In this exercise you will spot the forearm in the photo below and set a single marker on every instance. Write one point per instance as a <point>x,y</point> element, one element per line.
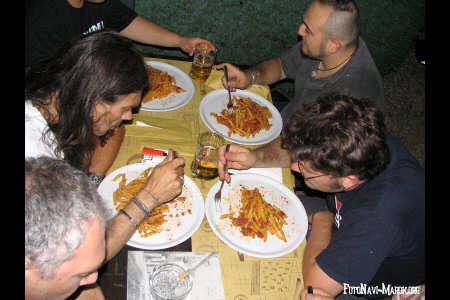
<point>319,239</point>
<point>266,72</point>
<point>104,156</point>
<point>148,32</point>
<point>272,155</point>
<point>121,228</point>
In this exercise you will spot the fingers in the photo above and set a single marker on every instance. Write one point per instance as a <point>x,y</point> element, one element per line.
<point>236,77</point>
<point>237,157</point>
<point>188,44</point>
<point>167,179</point>
<point>318,294</point>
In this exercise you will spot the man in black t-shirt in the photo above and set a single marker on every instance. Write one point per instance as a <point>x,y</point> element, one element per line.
<point>51,24</point>
<point>371,239</point>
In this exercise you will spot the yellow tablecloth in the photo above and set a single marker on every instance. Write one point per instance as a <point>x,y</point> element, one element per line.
<point>250,278</point>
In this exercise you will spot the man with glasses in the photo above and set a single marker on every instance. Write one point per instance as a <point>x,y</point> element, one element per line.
<point>370,228</point>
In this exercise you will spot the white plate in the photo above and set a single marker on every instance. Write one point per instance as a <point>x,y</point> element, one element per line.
<point>172,101</point>
<point>178,228</point>
<point>274,193</point>
<point>217,100</point>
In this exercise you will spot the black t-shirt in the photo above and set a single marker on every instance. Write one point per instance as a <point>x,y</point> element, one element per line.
<point>51,24</point>
<point>379,235</point>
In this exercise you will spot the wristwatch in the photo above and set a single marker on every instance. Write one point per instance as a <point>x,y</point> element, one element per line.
<point>95,178</point>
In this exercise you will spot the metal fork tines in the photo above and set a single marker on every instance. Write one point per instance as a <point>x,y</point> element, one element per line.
<point>218,195</point>
<point>230,102</point>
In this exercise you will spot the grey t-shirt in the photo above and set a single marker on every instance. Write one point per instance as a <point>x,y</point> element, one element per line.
<point>358,78</point>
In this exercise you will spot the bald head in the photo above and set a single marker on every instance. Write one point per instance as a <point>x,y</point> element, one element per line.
<point>343,23</point>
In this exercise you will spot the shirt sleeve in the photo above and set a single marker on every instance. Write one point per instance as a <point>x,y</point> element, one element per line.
<point>118,16</point>
<point>291,61</point>
<point>34,145</point>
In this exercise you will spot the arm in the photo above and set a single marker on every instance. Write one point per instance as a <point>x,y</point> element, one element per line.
<point>164,184</point>
<point>104,156</point>
<point>240,158</point>
<point>148,32</point>
<point>266,72</point>
<point>320,236</point>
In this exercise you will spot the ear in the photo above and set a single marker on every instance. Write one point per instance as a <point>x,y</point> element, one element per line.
<point>334,45</point>
<point>350,181</point>
<point>28,263</point>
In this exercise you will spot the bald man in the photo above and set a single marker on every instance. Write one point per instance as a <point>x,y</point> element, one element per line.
<point>331,57</point>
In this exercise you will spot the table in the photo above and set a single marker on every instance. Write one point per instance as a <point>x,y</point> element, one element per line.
<point>244,277</point>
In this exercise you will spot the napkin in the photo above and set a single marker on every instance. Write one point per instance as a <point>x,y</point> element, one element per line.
<point>214,82</point>
<point>274,173</point>
<point>207,277</point>
<point>140,123</point>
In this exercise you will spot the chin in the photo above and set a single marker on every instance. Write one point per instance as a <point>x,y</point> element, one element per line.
<point>304,49</point>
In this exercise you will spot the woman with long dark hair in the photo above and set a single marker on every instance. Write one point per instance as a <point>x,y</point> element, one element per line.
<point>74,108</point>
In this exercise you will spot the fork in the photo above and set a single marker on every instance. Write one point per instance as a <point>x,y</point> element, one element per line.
<point>230,103</point>
<point>218,196</point>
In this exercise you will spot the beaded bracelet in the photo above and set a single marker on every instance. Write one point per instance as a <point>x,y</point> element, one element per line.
<point>129,218</point>
<point>142,206</point>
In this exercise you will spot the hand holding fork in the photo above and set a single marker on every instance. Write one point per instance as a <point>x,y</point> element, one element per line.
<point>218,196</point>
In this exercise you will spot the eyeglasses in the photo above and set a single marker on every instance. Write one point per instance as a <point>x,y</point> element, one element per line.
<point>300,168</point>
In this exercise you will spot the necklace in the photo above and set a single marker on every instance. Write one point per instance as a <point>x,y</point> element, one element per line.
<point>314,72</point>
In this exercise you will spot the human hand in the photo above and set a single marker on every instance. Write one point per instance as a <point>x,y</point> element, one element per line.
<point>237,157</point>
<point>318,294</point>
<point>237,79</point>
<point>166,180</point>
<point>188,44</point>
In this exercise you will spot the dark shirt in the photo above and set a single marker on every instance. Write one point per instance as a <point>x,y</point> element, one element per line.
<point>359,78</point>
<point>51,24</point>
<point>379,235</point>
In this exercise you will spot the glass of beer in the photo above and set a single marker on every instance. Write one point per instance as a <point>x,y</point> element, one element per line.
<point>202,63</point>
<point>205,161</point>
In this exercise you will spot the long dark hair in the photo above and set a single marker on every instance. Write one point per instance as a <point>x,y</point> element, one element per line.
<point>339,135</point>
<point>99,66</point>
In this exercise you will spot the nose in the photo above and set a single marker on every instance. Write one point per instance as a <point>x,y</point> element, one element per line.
<point>128,115</point>
<point>295,167</point>
<point>91,278</point>
<point>301,30</point>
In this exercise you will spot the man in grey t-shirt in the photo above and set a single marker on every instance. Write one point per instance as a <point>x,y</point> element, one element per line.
<point>359,78</point>
<point>330,57</point>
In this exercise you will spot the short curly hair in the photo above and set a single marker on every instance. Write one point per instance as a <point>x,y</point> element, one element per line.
<point>339,135</point>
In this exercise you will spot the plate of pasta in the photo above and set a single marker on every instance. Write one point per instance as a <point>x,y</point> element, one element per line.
<point>254,120</point>
<point>258,216</point>
<point>170,223</point>
<point>170,88</point>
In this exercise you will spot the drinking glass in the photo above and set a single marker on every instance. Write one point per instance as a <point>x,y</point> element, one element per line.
<point>204,165</point>
<point>202,63</point>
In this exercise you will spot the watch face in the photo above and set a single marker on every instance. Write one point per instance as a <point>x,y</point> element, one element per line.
<point>94,178</point>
